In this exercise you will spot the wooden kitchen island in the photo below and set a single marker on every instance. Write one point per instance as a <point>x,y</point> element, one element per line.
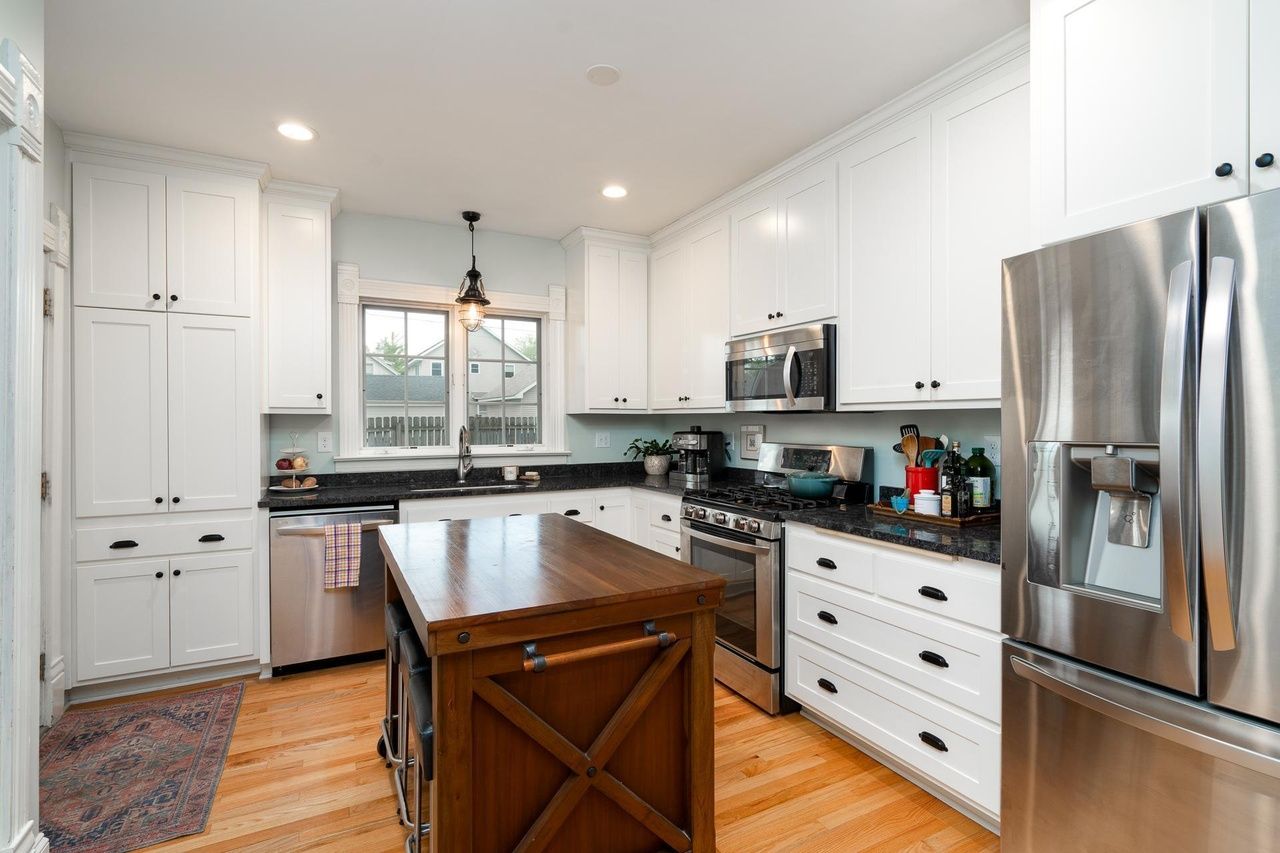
<point>572,685</point>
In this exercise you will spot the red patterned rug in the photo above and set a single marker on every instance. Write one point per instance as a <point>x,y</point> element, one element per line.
<point>127,776</point>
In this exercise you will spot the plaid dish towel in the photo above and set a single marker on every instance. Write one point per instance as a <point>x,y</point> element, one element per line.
<point>341,555</point>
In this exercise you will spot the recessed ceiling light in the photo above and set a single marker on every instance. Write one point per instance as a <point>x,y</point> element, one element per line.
<point>614,191</point>
<point>296,131</point>
<point>603,75</point>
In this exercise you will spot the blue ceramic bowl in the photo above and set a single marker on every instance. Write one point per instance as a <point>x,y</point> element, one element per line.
<point>811,484</point>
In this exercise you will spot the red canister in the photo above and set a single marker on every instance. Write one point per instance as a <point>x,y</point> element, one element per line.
<point>919,479</point>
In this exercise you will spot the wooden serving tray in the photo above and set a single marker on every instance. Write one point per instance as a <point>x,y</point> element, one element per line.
<point>991,516</point>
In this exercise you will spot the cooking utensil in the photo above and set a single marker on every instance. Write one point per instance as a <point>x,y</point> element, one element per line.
<point>811,484</point>
<point>929,458</point>
<point>897,448</point>
<point>911,447</point>
<point>909,429</point>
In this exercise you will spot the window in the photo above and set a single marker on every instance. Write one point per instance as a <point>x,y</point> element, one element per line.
<point>504,391</point>
<point>406,391</point>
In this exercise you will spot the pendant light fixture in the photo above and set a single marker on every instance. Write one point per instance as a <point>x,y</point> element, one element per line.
<point>471,294</point>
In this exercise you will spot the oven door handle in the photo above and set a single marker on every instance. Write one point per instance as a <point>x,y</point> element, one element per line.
<point>723,541</point>
<point>787,365</point>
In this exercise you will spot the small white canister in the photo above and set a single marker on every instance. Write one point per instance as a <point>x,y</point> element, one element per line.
<point>928,502</point>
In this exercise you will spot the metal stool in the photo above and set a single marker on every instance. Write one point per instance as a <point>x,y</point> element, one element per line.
<point>414,663</point>
<point>389,745</point>
<point>418,757</point>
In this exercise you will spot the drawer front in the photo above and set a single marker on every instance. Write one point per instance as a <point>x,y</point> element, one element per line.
<point>664,512</point>
<point>832,558</point>
<point>135,541</point>
<point>953,663</point>
<point>665,542</point>
<point>955,590</point>
<point>960,753</point>
<point>580,506</point>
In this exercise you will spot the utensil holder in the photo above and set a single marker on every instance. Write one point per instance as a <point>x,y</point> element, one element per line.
<point>920,478</point>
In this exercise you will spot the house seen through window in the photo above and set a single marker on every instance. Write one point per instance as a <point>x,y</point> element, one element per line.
<point>406,383</point>
<point>503,394</point>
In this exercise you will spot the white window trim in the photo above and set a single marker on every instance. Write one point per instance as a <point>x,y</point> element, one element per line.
<point>352,290</point>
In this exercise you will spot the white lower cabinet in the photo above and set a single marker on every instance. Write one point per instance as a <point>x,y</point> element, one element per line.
<point>210,607</point>
<point>122,618</point>
<point>613,512</point>
<point>665,542</point>
<point>903,653</point>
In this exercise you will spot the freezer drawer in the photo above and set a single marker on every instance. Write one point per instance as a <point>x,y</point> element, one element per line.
<point>1095,762</point>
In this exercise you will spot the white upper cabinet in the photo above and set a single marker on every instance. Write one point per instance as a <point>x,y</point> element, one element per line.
<point>1143,108</point>
<point>118,239</point>
<point>607,316</point>
<point>211,413</point>
<point>298,296</point>
<point>783,247</point>
<point>212,237</point>
<point>884,266</point>
<point>981,214</point>
<point>689,286</point>
<point>1264,82</point>
<point>121,382</point>
<point>163,242</point>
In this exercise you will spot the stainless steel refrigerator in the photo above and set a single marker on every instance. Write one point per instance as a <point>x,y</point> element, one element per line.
<point>1141,537</point>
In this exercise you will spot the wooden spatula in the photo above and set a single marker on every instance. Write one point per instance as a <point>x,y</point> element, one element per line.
<point>911,447</point>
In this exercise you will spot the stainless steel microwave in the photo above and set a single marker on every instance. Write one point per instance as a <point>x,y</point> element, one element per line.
<point>789,371</point>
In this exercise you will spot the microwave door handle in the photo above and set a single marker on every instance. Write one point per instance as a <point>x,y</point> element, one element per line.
<point>1176,429</point>
<point>787,365</point>
<point>1214,365</point>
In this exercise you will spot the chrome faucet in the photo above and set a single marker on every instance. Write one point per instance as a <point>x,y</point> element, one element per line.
<point>464,454</point>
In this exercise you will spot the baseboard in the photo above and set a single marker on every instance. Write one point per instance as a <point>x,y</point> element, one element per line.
<point>28,840</point>
<point>975,813</point>
<point>160,681</point>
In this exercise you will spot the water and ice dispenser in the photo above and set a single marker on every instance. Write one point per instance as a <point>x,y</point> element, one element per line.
<point>1093,520</point>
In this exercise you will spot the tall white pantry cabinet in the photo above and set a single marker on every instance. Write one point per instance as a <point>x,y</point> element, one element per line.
<point>166,408</point>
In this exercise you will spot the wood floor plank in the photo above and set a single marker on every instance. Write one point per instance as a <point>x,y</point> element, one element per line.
<point>302,774</point>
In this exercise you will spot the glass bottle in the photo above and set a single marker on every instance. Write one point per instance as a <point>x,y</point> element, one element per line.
<point>982,478</point>
<point>952,481</point>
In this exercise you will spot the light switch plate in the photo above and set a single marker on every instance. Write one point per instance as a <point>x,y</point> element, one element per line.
<point>324,442</point>
<point>602,439</point>
<point>993,448</point>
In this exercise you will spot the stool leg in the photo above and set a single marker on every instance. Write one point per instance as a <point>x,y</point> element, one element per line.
<point>390,723</point>
<point>420,828</point>
<point>407,762</point>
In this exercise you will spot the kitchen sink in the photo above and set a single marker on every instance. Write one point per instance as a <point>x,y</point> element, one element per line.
<point>492,487</point>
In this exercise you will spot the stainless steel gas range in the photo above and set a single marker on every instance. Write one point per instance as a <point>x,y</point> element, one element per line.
<point>736,531</point>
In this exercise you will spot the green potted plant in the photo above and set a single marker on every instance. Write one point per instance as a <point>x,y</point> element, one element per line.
<point>657,455</point>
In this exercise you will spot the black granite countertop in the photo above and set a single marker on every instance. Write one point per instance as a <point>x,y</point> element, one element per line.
<point>975,543</point>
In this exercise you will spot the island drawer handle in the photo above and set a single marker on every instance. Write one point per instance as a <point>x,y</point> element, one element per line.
<point>534,662</point>
<point>123,543</point>
<point>826,563</point>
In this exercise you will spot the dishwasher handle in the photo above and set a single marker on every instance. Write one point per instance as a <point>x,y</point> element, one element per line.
<point>311,530</point>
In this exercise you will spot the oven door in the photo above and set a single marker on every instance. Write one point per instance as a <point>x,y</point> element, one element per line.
<point>747,622</point>
<point>789,371</point>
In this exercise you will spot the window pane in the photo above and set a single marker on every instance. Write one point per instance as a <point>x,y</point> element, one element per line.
<point>426,334</point>
<point>405,395</point>
<point>383,330</point>
<point>521,337</point>
<point>485,342</point>
<point>523,406</point>
<point>384,394</point>
<point>503,390</point>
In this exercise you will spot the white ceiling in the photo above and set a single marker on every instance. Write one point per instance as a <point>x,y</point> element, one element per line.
<point>427,107</point>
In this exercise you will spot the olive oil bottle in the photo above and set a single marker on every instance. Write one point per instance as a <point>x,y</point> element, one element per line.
<point>982,478</point>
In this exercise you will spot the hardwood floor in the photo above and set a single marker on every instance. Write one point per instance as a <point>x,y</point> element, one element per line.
<point>302,774</point>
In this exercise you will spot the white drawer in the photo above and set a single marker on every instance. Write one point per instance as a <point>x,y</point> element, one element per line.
<point>956,589</point>
<point>965,752</point>
<point>939,657</point>
<point>170,537</point>
<point>580,506</point>
<point>833,558</point>
<point>665,542</point>
<point>664,512</point>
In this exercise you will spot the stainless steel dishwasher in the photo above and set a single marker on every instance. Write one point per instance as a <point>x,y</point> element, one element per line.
<point>311,623</point>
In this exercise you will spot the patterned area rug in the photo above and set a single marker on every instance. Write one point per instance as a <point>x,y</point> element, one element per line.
<point>127,776</point>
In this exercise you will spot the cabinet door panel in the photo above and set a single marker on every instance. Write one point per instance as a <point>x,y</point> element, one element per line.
<point>981,214</point>
<point>211,607</point>
<point>1264,82</point>
<point>705,303</point>
<point>884,267</point>
<point>613,514</point>
<point>633,328</point>
<point>298,328</point>
<point>121,427</point>
<point>211,413</point>
<point>1138,108</point>
<point>603,307</point>
<point>212,231</point>
<point>754,269</point>
<point>122,618</point>
<point>118,239</point>
<point>668,332</point>
<point>807,245</point>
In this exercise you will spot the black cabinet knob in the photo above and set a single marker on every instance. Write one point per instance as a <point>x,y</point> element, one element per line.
<point>770,316</point>
<point>827,685</point>
<point>156,297</point>
<point>828,617</point>
<point>615,399</point>
<point>319,396</point>
<point>177,572</point>
<point>701,598</point>
<point>919,385</point>
<point>779,315</point>
<point>173,297</point>
<point>1223,170</point>
<point>159,575</point>
<point>934,741</point>
<point>602,507</point>
<point>624,399</point>
<point>935,659</point>
<point>1264,160</point>
<point>935,384</point>
<point>177,500</point>
<point>159,500</point>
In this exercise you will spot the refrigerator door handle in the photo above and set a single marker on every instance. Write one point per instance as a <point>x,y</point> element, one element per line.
<point>1099,695</point>
<point>1176,444</point>
<point>1214,365</point>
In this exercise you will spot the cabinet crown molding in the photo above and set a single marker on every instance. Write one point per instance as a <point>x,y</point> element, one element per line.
<point>599,235</point>
<point>294,191</point>
<point>80,144</point>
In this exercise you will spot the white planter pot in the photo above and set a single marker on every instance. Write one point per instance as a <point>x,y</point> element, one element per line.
<point>656,465</point>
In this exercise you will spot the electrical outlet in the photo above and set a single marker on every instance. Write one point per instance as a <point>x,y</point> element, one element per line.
<point>324,442</point>
<point>993,448</point>
<point>602,439</point>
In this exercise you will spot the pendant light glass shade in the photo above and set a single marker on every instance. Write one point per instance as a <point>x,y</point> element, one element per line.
<point>471,293</point>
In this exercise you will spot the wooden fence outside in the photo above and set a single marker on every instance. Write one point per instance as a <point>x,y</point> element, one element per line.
<point>428,431</point>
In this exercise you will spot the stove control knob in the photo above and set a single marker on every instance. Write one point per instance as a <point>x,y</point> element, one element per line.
<point>702,513</point>
<point>739,524</point>
<point>690,512</point>
<point>720,518</point>
<point>754,527</point>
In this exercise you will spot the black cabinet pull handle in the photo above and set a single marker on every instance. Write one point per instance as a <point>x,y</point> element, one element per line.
<point>173,297</point>
<point>827,686</point>
<point>932,592</point>
<point>826,563</point>
<point>919,386</point>
<point>1264,160</point>
<point>159,500</point>
<point>177,572</point>
<point>514,514</point>
<point>177,500</point>
<point>159,575</point>
<point>1223,170</point>
<point>123,543</point>
<point>156,297</point>
<point>934,741</point>
<point>666,517</point>
<point>573,512</point>
<point>211,537</point>
<point>935,384</point>
<point>829,618</point>
<point>934,658</point>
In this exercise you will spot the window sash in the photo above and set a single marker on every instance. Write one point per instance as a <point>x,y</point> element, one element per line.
<point>509,427</point>
<point>401,430</point>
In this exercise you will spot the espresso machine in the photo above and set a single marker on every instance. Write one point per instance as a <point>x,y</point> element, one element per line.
<point>699,455</point>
